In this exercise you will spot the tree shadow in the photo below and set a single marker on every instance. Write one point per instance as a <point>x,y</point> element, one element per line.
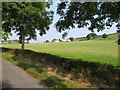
<point>54,82</point>
<point>6,85</point>
<point>26,65</point>
<point>93,71</point>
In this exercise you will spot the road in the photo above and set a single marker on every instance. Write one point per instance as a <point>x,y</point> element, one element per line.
<point>0,73</point>
<point>15,77</point>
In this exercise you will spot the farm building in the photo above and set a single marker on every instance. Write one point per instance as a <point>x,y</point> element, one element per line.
<point>61,40</point>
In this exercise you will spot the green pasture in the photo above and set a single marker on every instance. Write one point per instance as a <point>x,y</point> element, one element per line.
<point>103,51</point>
<point>113,36</point>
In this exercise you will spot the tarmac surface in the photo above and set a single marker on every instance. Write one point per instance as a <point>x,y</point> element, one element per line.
<point>15,77</point>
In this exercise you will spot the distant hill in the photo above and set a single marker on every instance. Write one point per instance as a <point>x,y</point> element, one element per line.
<point>113,36</point>
<point>13,41</point>
<point>10,42</point>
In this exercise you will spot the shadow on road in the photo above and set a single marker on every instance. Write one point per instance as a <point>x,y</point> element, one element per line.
<point>6,84</point>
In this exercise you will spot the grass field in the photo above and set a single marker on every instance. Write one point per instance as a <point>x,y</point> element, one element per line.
<point>113,36</point>
<point>57,74</point>
<point>99,50</point>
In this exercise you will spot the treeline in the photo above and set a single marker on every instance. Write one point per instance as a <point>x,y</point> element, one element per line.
<point>9,42</point>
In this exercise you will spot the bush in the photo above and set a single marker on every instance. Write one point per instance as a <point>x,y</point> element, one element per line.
<point>47,41</point>
<point>104,36</point>
<point>71,38</point>
<point>118,31</point>
<point>91,36</point>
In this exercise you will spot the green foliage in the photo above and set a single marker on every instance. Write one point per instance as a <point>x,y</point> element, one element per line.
<point>54,82</point>
<point>4,36</point>
<point>118,41</point>
<point>9,56</point>
<point>54,39</point>
<point>104,36</point>
<point>118,31</point>
<point>94,15</point>
<point>71,38</point>
<point>91,36</point>
<point>88,37</point>
<point>64,35</point>
<point>25,18</point>
<point>47,41</point>
<point>26,66</point>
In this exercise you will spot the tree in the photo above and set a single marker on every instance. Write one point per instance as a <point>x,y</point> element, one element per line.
<point>104,36</point>
<point>91,36</point>
<point>94,15</point>
<point>54,40</point>
<point>118,31</point>
<point>64,35</point>
<point>118,41</point>
<point>25,18</point>
<point>4,36</point>
<point>88,37</point>
<point>71,38</point>
<point>47,41</point>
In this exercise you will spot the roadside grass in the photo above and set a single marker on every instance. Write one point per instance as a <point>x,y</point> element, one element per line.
<point>40,74</point>
<point>10,56</point>
<point>62,72</point>
<point>103,51</point>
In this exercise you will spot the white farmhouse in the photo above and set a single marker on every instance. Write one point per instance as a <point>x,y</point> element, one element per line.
<point>55,40</point>
<point>61,40</point>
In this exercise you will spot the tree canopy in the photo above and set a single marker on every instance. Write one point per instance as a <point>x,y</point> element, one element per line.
<point>47,41</point>
<point>25,18</point>
<point>94,15</point>
<point>64,35</point>
<point>71,38</point>
<point>91,36</point>
<point>104,35</point>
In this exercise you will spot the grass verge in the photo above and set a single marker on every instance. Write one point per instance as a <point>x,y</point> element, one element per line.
<point>56,72</point>
<point>40,74</point>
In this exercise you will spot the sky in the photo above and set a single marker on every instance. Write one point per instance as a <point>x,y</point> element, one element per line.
<point>52,33</point>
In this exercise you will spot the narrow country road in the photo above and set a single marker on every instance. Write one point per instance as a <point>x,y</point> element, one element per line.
<point>14,77</point>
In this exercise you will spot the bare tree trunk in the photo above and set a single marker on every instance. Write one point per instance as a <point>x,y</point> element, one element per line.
<point>22,39</point>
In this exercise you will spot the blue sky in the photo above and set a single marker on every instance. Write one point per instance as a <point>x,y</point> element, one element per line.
<point>52,33</point>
